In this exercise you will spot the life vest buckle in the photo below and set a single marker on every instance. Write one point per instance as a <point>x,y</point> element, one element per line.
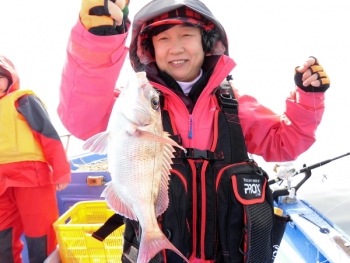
<point>193,153</point>
<point>227,101</point>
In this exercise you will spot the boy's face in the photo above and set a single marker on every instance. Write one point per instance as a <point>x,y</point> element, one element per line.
<point>179,52</point>
<point>3,85</point>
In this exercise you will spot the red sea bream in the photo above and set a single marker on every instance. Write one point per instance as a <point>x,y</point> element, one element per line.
<point>139,156</point>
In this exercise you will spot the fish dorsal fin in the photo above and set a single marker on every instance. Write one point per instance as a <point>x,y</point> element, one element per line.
<point>97,143</point>
<point>116,203</point>
<point>163,197</point>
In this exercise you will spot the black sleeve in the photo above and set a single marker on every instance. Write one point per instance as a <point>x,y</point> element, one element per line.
<point>36,116</point>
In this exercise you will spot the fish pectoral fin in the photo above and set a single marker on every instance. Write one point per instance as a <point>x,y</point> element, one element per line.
<point>146,135</point>
<point>115,203</point>
<point>97,143</point>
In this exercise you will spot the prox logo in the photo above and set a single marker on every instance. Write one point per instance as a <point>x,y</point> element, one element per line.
<point>252,188</point>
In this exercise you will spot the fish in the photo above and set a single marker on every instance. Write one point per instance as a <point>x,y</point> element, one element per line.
<point>139,154</point>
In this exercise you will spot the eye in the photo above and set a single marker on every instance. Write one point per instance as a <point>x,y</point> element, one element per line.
<point>162,39</point>
<point>155,103</point>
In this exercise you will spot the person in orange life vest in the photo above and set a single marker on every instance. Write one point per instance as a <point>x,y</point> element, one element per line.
<point>33,166</point>
<point>183,49</point>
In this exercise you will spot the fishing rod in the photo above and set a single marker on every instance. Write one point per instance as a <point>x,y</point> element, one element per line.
<point>321,163</point>
<point>291,172</point>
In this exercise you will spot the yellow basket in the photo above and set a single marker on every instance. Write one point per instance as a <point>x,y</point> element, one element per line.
<point>74,229</point>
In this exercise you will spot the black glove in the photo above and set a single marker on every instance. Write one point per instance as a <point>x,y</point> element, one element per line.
<point>316,68</point>
<point>96,18</point>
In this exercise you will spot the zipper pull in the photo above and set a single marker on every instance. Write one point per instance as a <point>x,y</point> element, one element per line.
<point>190,133</point>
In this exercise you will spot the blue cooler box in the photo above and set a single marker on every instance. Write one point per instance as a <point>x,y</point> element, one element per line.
<point>85,186</point>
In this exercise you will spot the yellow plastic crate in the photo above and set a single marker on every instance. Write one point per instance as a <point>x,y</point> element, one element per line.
<point>74,229</point>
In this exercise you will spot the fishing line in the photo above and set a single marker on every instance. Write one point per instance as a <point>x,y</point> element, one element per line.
<point>336,205</point>
<point>313,96</point>
<point>314,99</point>
<point>315,115</point>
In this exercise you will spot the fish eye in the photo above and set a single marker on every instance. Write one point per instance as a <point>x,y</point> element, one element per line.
<point>155,103</point>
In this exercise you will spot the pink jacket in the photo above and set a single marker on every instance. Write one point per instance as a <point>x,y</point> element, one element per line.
<point>87,97</point>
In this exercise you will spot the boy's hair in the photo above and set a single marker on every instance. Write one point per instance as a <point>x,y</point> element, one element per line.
<point>4,72</point>
<point>209,38</point>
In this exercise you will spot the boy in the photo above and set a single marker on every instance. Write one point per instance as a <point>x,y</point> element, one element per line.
<point>33,165</point>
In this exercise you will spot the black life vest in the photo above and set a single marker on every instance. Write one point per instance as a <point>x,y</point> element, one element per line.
<point>220,204</point>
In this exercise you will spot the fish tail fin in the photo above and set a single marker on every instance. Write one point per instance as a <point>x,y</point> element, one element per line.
<point>152,244</point>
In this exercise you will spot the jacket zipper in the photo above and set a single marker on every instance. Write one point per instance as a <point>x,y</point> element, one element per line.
<point>190,132</point>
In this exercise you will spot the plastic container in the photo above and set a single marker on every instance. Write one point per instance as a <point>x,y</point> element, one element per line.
<point>74,229</point>
<point>54,257</point>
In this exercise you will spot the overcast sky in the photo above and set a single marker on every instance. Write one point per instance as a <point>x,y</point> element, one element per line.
<point>267,40</point>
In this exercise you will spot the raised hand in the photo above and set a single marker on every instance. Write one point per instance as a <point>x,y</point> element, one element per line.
<point>100,17</point>
<point>311,77</point>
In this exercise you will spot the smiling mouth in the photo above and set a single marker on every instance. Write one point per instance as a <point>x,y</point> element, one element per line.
<point>178,62</point>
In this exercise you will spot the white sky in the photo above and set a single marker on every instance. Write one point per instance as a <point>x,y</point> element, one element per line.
<point>267,40</point>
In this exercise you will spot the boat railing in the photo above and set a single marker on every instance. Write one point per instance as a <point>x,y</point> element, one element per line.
<point>67,136</point>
